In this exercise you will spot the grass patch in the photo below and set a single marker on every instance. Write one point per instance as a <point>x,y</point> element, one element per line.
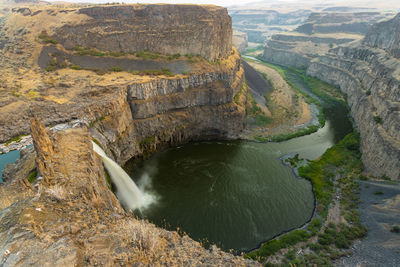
<point>271,247</point>
<point>92,123</point>
<point>254,49</point>
<point>378,119</point>
<point>32,176</point>
<point>47,39</point>
<point>147,141</point>
<point>378,192</point>
<point>116,69</point>
<point>254,111</point>
<point>76,67</point>
<point>395,229</point>
<point>344,155</point>
<point>15,139</point>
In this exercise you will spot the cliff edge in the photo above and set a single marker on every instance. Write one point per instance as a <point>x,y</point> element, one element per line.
<point>69,217</point>
<point>368,72</point>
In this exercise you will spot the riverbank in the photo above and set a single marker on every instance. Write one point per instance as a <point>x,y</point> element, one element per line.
<point>336,222</point>
<point>317,95</point>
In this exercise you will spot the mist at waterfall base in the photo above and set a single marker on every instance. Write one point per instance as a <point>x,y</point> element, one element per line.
<point>235,194</point>
<point>131,196</point>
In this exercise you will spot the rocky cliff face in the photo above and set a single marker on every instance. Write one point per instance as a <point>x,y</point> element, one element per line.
<point>240,40</point>
<point>127,111</point>
<point>321,32</point>
<point>149,116</point>
<point>69,217</point>
<point>368,73</point>
<point>167,29</point>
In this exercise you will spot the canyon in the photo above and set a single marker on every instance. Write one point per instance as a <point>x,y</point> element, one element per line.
<point>333,48</point>
<point>69,216</point>
<point>368,73</point>
<point>133,80</point>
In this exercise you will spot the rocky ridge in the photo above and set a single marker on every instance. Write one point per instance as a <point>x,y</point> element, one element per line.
<point>321,32</point>
<point>128,113</point>
<point>69,217</point>
<point>166,29</point>
<point>368,72</point>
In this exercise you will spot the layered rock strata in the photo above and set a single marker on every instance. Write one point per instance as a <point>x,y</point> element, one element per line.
<point>368,73</point>
<point>167,29</point>
<point>321,32</point>
<point>69,217</point>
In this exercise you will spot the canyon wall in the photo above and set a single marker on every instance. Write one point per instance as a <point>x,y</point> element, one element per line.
<point>71,217</point>
<point>60,211</point>
<point>369,73</point>
<point>321,32</point>
<point>166,29</point>
<point>148,116</point>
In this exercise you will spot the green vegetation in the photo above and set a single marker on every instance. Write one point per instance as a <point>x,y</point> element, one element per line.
<point>174,56</point>
<point>47,39</point>
<point>345,155</point>
<point>147,55</point>
<point>271,247</point>
<point>256,112</point>
<point>237,96</point>
<point>283,137</point>
<point>92,123</point>
<point>116,69</point>
<point>378,192</point>
<point>32,176</point>
<point>378,119</point>
<point>15,139</point>
<point>108,178</point>
<point>147,141</point>
<point>341,163</point>
<point>395,229</point>
<point>76,67</point>
<point>164,71</point>
<point>254,49</point>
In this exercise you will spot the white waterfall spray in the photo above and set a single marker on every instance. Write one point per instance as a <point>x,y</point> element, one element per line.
<point>126,190</point>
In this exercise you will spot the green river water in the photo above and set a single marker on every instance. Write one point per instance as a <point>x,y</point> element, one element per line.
<point>236,194</point>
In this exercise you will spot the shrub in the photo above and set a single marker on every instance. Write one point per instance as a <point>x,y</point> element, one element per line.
<point>341,241</point>
<point>395,229</point>
<point>315,225</point>
<point>76,67</point>
<point>378,119</point>
<point>116,69</point>
<point>378,192</point>
<point>32,176</point>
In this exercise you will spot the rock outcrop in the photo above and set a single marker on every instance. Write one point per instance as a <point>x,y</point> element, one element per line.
<point>321,32</point>
<point>150,116</point>
<point>128,112</point>
<point>368,72</point>
<point>240,40</point>
<point>166,29</point>
<point>71,218</point>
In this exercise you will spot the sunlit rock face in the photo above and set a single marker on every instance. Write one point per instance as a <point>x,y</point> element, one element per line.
<point>167,29</point>
<point>369,73</point>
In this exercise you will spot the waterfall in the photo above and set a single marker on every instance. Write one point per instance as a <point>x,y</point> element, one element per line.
<point>126,190</point>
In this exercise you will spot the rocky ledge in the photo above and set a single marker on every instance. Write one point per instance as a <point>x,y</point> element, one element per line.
<point>368,72</point>
<point>69,217</point>
<point>167,29</point>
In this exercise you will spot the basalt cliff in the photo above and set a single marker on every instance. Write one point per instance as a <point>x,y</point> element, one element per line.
<point>319,33</point>
<point>135,79</point>
<point>368,72</point>
<point>132,100</point>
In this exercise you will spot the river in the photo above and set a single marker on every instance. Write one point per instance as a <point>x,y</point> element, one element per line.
<point>236,194</point>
